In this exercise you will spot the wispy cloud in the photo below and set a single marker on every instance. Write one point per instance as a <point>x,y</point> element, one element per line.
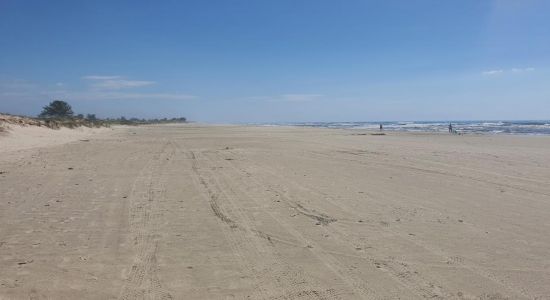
<point>300,97</point>
<point>288,98</point>
<point>95,95</point>
<point>136,96</point>
<point>101,77</point>
<point>17,84</point>
<point>492,72</point>
<point>115,82</point>
<point>503,71</point>
<point>99,89</point>
<point>523,70</point>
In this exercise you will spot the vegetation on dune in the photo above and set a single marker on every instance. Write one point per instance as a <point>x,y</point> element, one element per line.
<point>62,112</point>
<point>136,121</point>
<point>59,114</point>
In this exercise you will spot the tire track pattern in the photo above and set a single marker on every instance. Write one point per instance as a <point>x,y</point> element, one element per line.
<point>357,286</point>
<point>249,244</point>
<point>143,281</point>
<point>427,288</point>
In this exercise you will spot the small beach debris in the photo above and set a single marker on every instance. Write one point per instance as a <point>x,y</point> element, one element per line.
<point>25,262</point>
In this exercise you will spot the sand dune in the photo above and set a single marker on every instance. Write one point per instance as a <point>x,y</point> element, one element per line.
<point>204,212</point>
<point>17,137</point>
<point>21,133</point>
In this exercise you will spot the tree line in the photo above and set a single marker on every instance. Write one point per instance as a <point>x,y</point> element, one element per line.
<point>61,110</point>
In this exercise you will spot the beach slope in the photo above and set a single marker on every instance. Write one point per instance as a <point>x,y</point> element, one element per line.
<point>222,212</point>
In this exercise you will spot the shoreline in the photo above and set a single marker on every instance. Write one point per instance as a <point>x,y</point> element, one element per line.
<point>535,127</point>
<point>357,131</point>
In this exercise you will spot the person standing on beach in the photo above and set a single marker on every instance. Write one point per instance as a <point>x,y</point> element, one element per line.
<point>380,127</point>
<point>450,128</point>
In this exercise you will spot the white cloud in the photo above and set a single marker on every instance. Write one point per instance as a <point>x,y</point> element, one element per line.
<point>502,71</point>
<point>106,95</point>
<point>100,77</point>
<point>300,97</point>
<point>115,82</point>
<point>288,98</point>
<point>493,72</point>
<point>17,85</point>
<point>522,70</point>
<point>15,94</point>
<point>136,96</point>
<point>99,89</point>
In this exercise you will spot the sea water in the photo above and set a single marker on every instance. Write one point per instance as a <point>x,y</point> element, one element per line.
<point>537,127</point>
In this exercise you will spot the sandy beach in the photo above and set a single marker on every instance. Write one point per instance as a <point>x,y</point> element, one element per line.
<point>16,138</point>
<point>234,212</point>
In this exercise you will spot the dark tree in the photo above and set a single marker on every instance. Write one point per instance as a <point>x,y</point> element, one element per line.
<point>57,109</point>
<point>91,117</point>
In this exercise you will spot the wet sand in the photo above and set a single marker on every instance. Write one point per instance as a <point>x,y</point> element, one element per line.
<point>222,212</point>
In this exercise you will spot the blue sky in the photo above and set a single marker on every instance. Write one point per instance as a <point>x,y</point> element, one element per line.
<point>284,60</point>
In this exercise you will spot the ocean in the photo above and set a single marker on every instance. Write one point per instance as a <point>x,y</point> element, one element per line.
<point>538,127</point>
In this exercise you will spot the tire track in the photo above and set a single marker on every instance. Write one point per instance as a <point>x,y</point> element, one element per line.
<point>436,172</point>
<point>239,246</point>
<point>401,272</point>
<point>147,190</point>
<point>358,286</point>
<point>255,249</point>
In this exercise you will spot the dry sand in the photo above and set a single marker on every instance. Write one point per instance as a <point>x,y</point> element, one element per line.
<point>17,138</point>
<point>205,212</point>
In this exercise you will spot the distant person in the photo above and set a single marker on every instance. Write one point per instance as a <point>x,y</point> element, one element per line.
<point>381,127</point>
<point>450,128</point>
